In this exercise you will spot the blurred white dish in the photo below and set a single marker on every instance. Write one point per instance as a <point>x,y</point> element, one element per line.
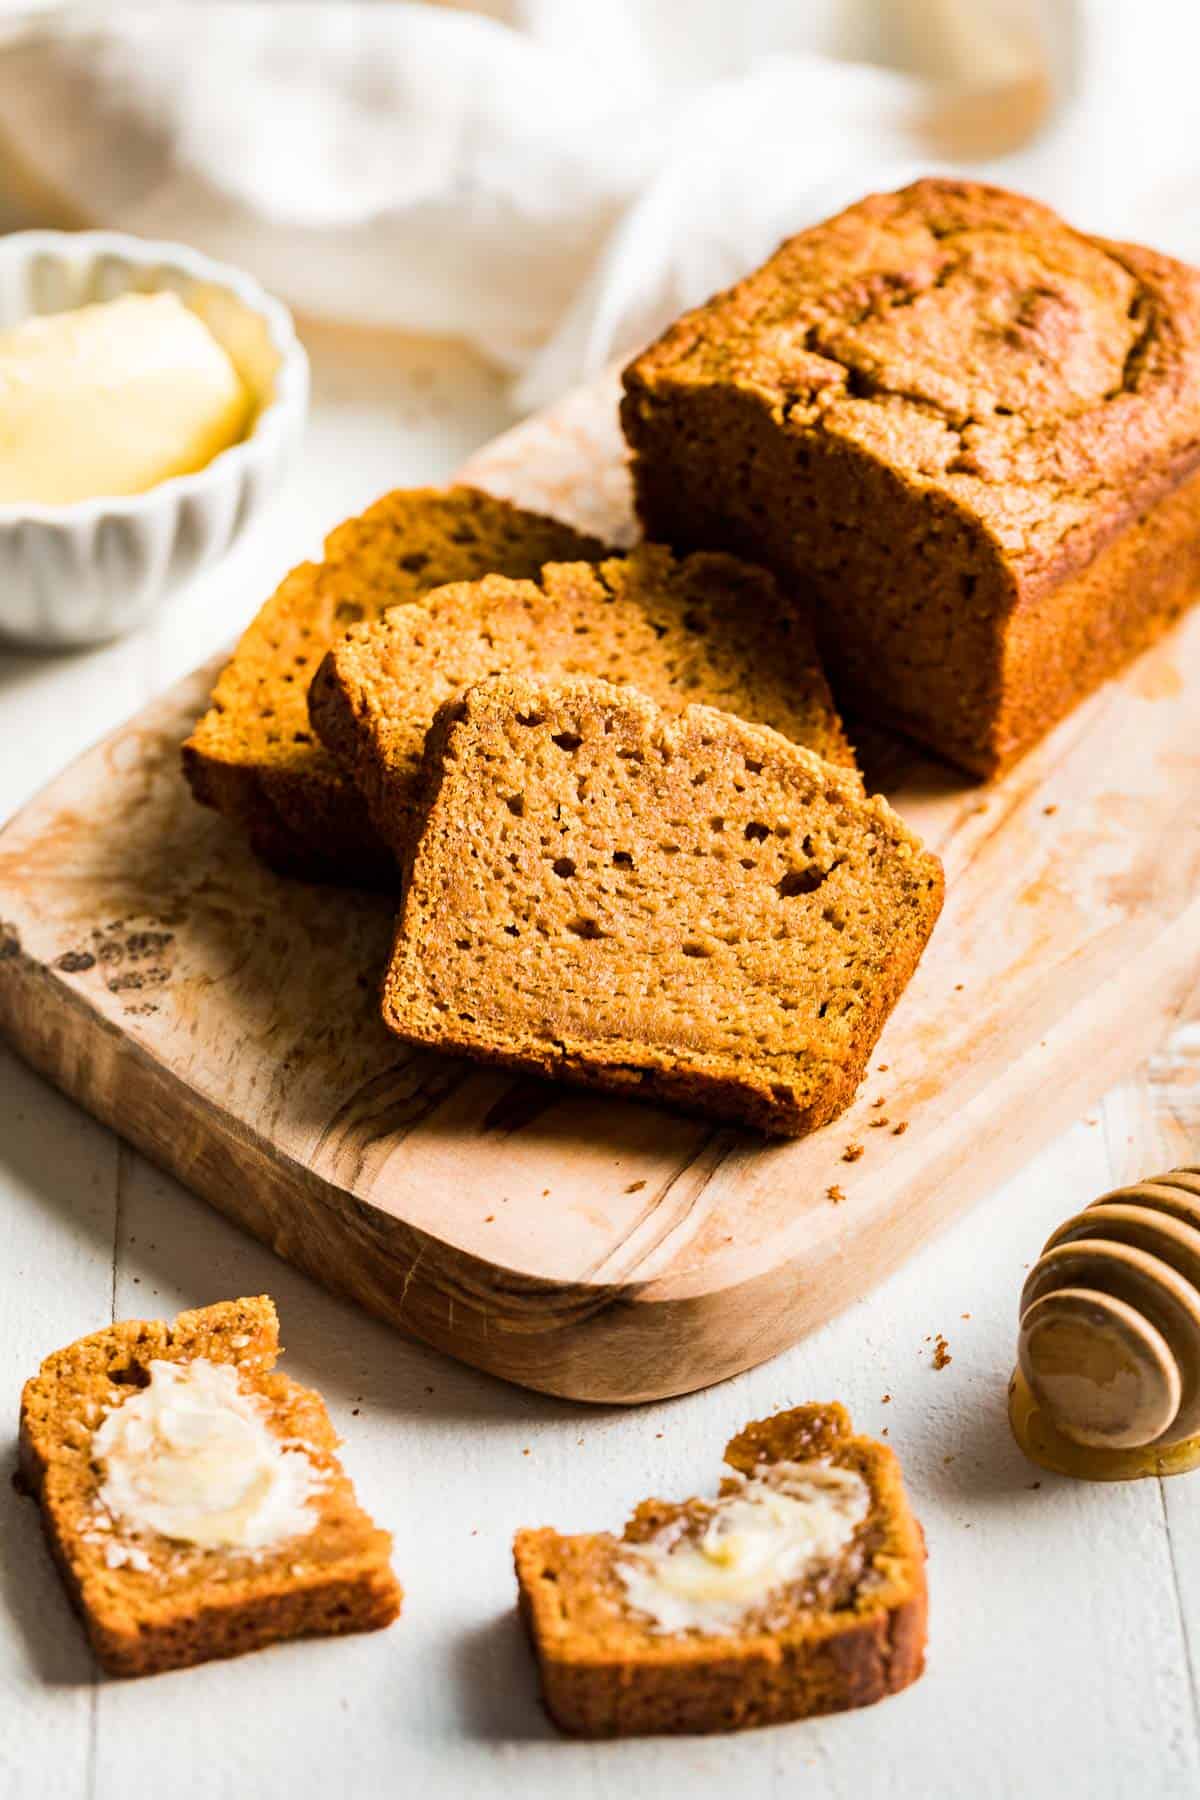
<point>93,569</point>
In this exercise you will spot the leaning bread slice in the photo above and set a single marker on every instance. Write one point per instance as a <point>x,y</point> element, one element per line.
<point>253,756</point>
<point>689,908</point>
<point>799,1590</point>
<point>702,628</point>
<point>192,1497</point>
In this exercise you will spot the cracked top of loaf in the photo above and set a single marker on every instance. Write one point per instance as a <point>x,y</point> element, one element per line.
<point>972,341</point>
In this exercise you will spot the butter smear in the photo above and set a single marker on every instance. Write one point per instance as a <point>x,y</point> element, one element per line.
<point>771,1530</point>
<point>192,1457</point>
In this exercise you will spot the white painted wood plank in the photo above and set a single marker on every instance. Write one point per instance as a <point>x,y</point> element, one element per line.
<point>58,1185</point>
<point>1167,1103</point>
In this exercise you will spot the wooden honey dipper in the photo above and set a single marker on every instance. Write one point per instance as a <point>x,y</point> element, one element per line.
<point>1107,1385</point>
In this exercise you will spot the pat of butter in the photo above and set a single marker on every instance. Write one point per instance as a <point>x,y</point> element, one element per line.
<point>112,399</point>
<point>191,1457</point>
<point>771,1530</point>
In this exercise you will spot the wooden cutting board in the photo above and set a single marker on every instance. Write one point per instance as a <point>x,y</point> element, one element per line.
<point>224,1021</point>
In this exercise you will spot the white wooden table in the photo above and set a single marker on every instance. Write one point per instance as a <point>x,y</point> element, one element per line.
<point>1065,1625</point>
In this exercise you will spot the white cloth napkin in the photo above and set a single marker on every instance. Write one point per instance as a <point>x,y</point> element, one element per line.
<point>553,179</point>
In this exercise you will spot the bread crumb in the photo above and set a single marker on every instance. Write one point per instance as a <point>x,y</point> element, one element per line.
<point>836,1194</point>
<point>490,1219</point>
<point>852,1152</point>
<point>900,1129</point>
<point>880,1102</point>
<point>886,1401</point>
<point>881,1120</point>
<point>883,1068</point>
<point>635,1187</point>
<point>1049,809</point>
<point>966,1315</point>
<point>941,1352</point>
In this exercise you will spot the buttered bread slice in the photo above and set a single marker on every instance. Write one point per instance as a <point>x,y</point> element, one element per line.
<point>698,628</point>
<point>192,1497</point>
<point>799,1590</point>
<point>688,908</point>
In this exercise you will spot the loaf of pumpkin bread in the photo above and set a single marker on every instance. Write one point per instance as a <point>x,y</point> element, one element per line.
<point>254,756</point>
<point>972,433</point>
<point>799,1590</point>
<point>689,908</point>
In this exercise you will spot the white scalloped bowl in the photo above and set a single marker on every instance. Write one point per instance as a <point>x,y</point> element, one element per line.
<point>89,571</point>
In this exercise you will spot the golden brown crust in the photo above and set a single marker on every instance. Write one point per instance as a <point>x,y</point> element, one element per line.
<point>188,1605</point>
<point>691,909</point>
<point>606,1674</point>
<point>254,757</point>
<point>705,628</point>
<point>942,408</point>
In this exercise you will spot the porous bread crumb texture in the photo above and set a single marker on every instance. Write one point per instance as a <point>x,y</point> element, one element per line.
<point>705,628</point>
<point>171,1605</point>
<point>968,432</point>
<point>691,909</point>
<point>847,1637</point>
<point>254,755</point>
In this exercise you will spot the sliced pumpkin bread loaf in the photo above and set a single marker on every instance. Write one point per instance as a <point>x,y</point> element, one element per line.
<point>706,628</point>
<point>192,1497</point>
<point>799,1590</point>
<point>691,908</point>
<point>254,756</point>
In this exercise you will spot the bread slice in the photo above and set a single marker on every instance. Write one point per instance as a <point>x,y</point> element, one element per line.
<point>253,755</point>
<point>151,1602</point>
<point>689,908</point>
<point>846,1630</point>
<point>705,628</point>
